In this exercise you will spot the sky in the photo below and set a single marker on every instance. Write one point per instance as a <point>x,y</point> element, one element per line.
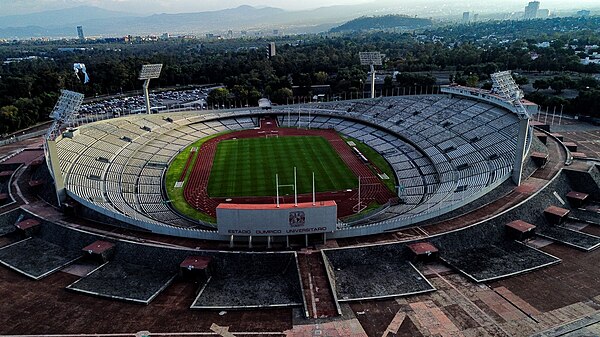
<point>12,7</point>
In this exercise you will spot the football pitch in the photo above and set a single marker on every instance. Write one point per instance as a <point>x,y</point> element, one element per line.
<point>247,167</point>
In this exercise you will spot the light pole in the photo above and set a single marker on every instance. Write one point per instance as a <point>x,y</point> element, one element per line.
<point>148,72</point>
<point>371,59</point>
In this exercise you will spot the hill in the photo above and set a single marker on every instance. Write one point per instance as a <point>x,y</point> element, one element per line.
<point>382,22</point>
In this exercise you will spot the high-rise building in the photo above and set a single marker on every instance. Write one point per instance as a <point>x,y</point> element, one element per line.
<point>270,49</point>
<point>466,17</point>
<point>531,10</point>
<point>543,13</point>
<point>80,33</point>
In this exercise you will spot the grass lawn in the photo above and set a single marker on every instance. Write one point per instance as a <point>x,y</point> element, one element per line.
<point>247,167</point>
<point>376,159</point>
<point>174,172</point>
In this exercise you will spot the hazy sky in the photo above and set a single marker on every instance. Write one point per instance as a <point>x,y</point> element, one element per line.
<point>9,7</point>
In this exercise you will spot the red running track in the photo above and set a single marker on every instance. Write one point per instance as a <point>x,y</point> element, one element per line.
<point>372,188</point>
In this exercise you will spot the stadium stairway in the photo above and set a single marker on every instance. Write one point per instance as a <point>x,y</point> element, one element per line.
<point>320,301</point>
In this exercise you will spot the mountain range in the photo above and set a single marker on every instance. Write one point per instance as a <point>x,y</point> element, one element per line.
<point>101,22</point>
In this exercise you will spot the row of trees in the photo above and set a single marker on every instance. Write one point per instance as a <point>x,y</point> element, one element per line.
<point>586,103</point>
<point>562,82</point>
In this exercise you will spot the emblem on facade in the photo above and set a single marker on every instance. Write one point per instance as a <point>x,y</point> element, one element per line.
<point>297,219</point>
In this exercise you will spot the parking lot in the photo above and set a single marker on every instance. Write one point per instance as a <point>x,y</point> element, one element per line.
<point>166,100</point>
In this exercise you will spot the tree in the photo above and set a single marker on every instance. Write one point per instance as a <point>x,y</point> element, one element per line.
<point>521,80</point>
<point>321,77</point>
<point>411,79</point>
<point>540,84</point>
<point>282,95</point>
<point>472,81</point>
<point>28,111</point>
<point>558,85</point>
<point>218,96</point>
<point>587,103</point>
<point>387,83</point>
<point>587,82</point>
<point>240,92</point>
<point>9,118</point>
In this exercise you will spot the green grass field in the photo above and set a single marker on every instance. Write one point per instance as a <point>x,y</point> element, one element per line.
<point>247,167</point>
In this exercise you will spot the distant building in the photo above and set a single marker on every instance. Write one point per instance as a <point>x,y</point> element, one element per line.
<point>543,13</point>
<point>475,17</point>
<point>271,50</point>
<point>588,60</point>
<point>230,34</point>
<point>80,33</point>
<point>19,59</point>
<point>466,17</point>
<point>531,10</point>
<point>165,36</point>
<point>533,55</point>
<point>583,13</point>
<point>70,49</point>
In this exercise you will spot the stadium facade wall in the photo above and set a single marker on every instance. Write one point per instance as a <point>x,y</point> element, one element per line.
<point>270,220</point>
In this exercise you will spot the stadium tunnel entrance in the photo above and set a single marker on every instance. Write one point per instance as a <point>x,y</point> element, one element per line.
<point>277,242</point>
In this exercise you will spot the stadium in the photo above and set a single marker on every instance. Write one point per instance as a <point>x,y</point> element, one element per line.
<point>443,152</point>
<point>325,204</point>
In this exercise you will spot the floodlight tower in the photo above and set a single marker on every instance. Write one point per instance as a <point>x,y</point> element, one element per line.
<point>504,86</point>
<point>148,72</point>
<point>371,59</point>
<point>63,115</point>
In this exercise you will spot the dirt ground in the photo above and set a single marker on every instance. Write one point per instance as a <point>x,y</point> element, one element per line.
<point>46,307</point>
